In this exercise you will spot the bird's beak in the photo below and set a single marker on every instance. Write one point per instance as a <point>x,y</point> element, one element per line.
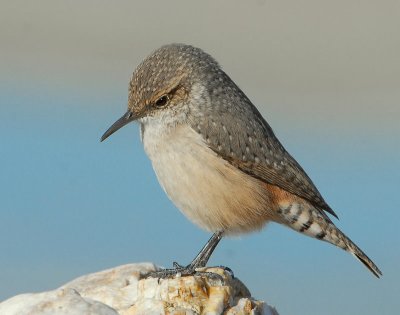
<point>124,120</point>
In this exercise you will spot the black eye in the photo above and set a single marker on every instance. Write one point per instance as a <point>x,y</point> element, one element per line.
<point>162,101</point>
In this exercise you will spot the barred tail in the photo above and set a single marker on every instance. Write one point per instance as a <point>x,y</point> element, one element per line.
<point>306,219</point>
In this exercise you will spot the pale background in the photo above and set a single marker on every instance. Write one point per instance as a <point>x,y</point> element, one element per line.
<point>325,74</point>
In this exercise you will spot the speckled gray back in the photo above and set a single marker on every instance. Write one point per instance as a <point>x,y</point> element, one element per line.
<point>233,127</point>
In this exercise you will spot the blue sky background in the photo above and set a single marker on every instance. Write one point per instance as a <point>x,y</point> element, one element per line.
<point>325,75</point>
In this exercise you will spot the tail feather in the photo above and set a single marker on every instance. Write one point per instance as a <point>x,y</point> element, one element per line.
<point>361,256</point>
<point>308,220</point>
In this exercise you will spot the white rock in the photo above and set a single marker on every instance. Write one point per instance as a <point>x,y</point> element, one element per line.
<point>60,302</point>
<point>120,291</point>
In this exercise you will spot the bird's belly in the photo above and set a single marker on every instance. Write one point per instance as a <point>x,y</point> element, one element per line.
<point>207,189</point>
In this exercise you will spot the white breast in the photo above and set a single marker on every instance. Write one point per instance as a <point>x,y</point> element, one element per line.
<point>207,189</point>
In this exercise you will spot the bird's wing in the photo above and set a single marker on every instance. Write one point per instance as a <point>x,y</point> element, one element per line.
<point>243,138</point>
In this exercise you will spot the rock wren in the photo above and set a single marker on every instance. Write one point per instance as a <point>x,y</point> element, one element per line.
<point>217,158</point>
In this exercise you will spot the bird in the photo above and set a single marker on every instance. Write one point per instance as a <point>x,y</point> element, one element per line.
<point>217,158</point>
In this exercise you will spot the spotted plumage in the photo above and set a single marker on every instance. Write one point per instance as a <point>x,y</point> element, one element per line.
<point>215,155</point>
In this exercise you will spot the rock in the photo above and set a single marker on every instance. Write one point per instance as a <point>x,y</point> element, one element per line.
<point>119,291</point>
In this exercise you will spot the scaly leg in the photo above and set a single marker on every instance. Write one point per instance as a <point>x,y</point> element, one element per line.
<point>198,262</point>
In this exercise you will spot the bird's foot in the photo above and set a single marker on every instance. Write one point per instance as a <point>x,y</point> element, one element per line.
<point>189,270</point>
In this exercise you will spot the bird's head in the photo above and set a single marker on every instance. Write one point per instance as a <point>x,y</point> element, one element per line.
<point>168,85</point>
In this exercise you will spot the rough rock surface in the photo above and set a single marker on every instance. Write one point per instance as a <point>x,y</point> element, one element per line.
<point>120,291</point>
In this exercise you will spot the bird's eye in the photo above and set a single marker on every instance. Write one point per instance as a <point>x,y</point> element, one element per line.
<point>162,101</point>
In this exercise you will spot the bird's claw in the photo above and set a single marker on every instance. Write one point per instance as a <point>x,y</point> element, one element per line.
<point>183,271</point>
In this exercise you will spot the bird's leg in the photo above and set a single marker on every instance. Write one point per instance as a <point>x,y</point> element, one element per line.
<point>199,261</point>
<point>204,255</point>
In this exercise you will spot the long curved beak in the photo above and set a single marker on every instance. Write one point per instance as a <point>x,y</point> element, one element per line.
<point>124,120</point>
